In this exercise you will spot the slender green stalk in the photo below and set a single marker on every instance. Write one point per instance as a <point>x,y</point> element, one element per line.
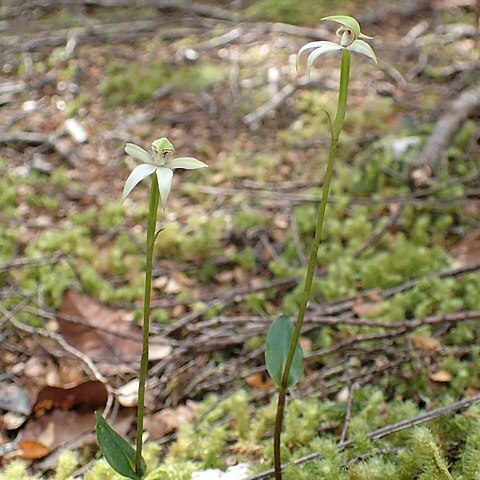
<point>152,222</point>
<point>336,128</point>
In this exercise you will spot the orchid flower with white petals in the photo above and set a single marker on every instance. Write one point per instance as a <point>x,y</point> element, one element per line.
<point>350,36</point>
<point>161,163</point>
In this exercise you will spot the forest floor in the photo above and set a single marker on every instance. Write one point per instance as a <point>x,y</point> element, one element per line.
<point>391,335</point>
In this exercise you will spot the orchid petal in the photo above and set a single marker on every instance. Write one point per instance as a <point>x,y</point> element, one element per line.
<point>320,51</point>
<point>321,43</point>
<point>362,35</point>
<point>364,48</point>
<point>346,21</point>
<point>137,175</point>
<point>164,176</point>
<point>188,163</point>
<point>139,153</point>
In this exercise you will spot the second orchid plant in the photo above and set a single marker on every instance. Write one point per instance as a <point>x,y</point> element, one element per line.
<point>283,354</point>
<point>118,452</point>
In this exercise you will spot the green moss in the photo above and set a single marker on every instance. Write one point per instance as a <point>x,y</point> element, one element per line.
<point>137,82</point>
<point>307,12</point>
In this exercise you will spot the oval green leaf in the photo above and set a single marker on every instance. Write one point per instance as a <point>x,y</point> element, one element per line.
<point>277,346</point>
<point>117,450</point>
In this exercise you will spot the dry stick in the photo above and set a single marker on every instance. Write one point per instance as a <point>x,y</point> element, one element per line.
<point>195,8</point>
<point>31,262</point>
<point>348,412</point>
<point>118,32</point>
<point>387,430</point>
<point>234,372</point>
<point>187,319</point>
<point>281,97</point>
<point>448,124</point>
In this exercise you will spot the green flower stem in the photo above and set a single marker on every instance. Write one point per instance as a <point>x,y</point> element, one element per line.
<point>336,128</point>
<point>152,222</point>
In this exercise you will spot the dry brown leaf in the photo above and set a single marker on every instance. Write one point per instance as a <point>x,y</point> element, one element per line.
<point>31,450</point>
<point>306,344</point>
<point>240,275</point>
<point>467,252</point>
<point>101,333</point>
<point>183,279</point>
<point>88,396</point>
<point>426,343</point>
<point>169,419</point>
<point>177,311</point>
<point>260,381</point>
<point>441,376</point>
<point>64,415</point>
<point>172,286</point>
<point>362,309</point>
<point>224,277</point>
<point>160,282</point>
<point>59,427</point>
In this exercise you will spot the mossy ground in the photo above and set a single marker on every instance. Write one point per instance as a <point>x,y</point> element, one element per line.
<point>249,219</point>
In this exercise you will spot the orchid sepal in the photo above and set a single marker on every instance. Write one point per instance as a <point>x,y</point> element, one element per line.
<point>161,163</point>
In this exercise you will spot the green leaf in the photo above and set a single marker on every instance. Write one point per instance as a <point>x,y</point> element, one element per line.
<point>345,21</point>
<point>330,124</point>
<point>279,338</point>
<point>117,451</point>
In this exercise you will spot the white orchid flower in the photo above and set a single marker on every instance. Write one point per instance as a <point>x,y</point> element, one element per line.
<point>161,163</point>
<point>350,36</point>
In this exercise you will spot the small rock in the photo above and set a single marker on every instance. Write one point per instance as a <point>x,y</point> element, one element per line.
<point>401,145</point>
<point>240,471</point>
<point>41,164</point>
<point>75,129</point>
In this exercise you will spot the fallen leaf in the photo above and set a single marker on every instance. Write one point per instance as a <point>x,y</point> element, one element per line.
<point>441,376</point>
<point>97,331</point>
<point>63,416</point>
<point>12,421</point>
<point>426,343</point>
<point>172,286</point>
<point>31,450</point>
<point>306,344</point>
<point>364,309</point>
<point>260,381</point>
<point>88,396</point>
<point>128,394</point>
<point>59,427</point>
<point>14,399</point>
<point>169,419</point>
<point>467,252</point>
<point>224,277</point>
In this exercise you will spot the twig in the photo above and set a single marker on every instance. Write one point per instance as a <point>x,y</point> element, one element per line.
<point>277,100</point>
<point>31,262</point>
<point>448,124</point>
<point>93,34</point>
<point>195,8</point>
<point>348,412</point>
<point>36,139</point>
